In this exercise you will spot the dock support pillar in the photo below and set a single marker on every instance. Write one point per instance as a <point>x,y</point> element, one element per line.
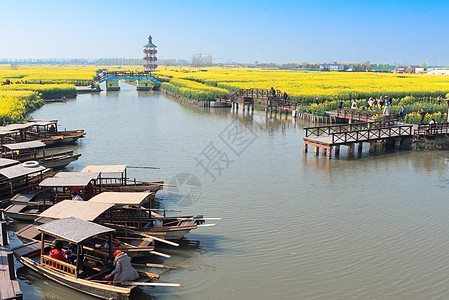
<point>329,153</point>
<point>323,153</point>
<point>350,150</point>
<point>317,150</point>
<point>397,143</point>
<point>337,150</point>
<point>304,147</point>
<point>4,233</point>
<point>360,147</point>
<point>372,146</point>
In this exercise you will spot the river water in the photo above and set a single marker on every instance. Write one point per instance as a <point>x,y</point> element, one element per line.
<point>295,226</point>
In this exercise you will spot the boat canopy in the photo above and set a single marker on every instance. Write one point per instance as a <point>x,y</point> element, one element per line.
<point>6,162</point>
<point>24,145</point>
<point>17,126</point>
<point>83,210</point>
<point>21,170</point>
<point>121,198</point>
<point>4,132</point>
<point>73,230</point>
<point>42,122</point>
<point>105,169</point>
<point>70,179</point>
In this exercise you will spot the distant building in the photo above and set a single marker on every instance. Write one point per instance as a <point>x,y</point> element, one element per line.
<point>150,52</point>
<point>385,69</point>
<point>332,67</point>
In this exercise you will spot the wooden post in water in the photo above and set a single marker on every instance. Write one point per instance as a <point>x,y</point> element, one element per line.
<point>397,143</point>
<point>372,146</point>
<point>329,153</point>
<point>350,150</point>
<point>337,150</point>
<point>360,147</point>
<point>317,150</point>
<point>304,147</point>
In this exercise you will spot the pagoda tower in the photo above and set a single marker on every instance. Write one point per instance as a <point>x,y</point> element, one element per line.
<point>149,61</point>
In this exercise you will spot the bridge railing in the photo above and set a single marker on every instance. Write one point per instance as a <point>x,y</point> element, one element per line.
<point>275,99</point>
<point>104,75</point>
<point>330,129</point>
<point>372,134</point>
<point>356,114</point>
<point>432,129</point>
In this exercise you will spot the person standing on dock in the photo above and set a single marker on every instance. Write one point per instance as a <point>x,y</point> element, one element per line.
<point>403,113</point>
<point>422,114</point>
<point>273,92</point>
<point>340,104</point>
<point>386,111</point>
<point>354,104</point>
<point>317,101</point>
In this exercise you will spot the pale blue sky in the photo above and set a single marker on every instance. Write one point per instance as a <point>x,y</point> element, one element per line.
<point>243,31</point>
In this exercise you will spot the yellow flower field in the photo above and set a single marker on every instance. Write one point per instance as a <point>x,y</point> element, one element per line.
<point>306,86</point>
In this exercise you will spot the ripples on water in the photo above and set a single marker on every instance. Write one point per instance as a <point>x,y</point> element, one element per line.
<point>294,226</point>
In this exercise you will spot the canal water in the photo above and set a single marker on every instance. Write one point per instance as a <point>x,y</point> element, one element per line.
<point>294,226</point>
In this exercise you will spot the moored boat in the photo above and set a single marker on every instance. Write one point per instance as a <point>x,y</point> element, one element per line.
<point>35,151</point>
<point>85,273</point>
<point>114,178</point>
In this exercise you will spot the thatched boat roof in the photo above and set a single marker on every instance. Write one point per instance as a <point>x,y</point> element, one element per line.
<point>74,230</point>
<point>121,198</point>
<point>83,210</point>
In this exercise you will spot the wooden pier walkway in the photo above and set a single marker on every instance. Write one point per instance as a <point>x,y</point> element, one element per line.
<point>359,115</point>
<point>9,286</point>
<point>273,100</point>
<point>332,137</point>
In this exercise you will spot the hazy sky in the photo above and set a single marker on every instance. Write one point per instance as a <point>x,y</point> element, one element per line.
<point>390,31</point>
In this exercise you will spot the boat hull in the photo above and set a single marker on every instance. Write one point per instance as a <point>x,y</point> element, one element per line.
<point>102,291</point>
<point>60,162</point>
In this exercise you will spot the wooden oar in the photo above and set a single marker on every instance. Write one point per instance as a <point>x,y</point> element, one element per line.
<point>139,283</point>
<point>143,234</point>
<point>162,266</point>
<point>195,219</point>
<point>134,167</point>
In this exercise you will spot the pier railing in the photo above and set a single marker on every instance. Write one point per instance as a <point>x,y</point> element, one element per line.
<point>432,129</point>
<point>330,129</point>
<point>372,134</point>
<point>357,114</point>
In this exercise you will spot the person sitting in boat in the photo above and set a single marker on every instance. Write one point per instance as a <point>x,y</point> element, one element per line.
<point>71,254</point>
<point>123,271</point>
<point>75,196</point>
<point>56,253</point>
<point>52,128</point>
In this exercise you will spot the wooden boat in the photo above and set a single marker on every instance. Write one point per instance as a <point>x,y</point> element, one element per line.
<point>6,162</point>
<point>47,132</point>
<point>40,130</point>
<point>85,274</point>
<point>128,213</point>
<point>126,241</point>
<point>28,206</point>
<point>35,151</point>
<point>20,177</point>
<point>114,178</point>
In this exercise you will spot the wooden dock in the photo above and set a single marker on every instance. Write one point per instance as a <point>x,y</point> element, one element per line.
<point>9,286</point>
<point>332,137</point>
